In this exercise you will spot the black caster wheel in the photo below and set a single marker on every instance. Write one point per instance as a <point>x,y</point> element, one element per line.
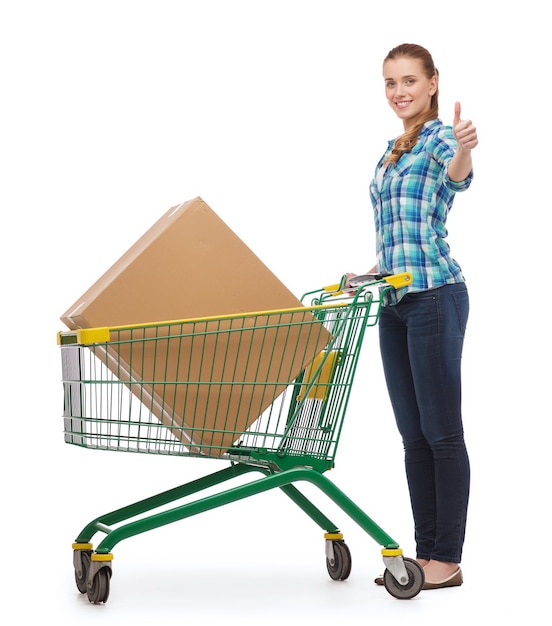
<point>98,592</point>
<point>412,587</point>
<point>82,575</point>
<point>341,566</point>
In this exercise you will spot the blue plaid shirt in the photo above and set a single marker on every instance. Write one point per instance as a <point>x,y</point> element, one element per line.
<point>411,201</point>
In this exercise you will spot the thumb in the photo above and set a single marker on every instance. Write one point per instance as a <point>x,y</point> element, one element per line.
<point>456,113</point>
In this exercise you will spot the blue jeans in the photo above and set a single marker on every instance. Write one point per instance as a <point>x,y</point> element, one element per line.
<point>421,340</point>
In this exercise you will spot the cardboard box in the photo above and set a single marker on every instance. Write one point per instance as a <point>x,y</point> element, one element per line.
<point>190,265</point>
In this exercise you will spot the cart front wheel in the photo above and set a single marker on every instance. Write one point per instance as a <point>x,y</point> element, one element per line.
<point>98,592</point>
<point>80,578</point>
<point>342,562</point>
<point>414,585</point>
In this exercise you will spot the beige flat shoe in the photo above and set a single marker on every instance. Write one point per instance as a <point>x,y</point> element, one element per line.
<point>454,580</point>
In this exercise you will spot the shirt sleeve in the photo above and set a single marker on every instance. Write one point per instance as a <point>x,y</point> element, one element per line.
<point>457,185</point>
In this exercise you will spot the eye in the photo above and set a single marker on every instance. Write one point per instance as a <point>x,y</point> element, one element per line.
<point>410,81</point>
<point>390,83</point>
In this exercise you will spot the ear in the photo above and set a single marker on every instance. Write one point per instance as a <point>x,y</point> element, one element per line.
<point>433,85</point>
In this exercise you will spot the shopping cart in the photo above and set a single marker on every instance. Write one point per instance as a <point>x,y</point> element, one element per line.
<point>266,392</point>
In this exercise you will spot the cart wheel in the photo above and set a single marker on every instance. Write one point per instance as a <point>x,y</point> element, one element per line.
<point>85,566</point>
<point>99,591</point>
<point>414,585</point>
<point>341,566</point>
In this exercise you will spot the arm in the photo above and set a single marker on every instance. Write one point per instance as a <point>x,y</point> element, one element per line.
<point>466,136</point>
<point>460,165</point>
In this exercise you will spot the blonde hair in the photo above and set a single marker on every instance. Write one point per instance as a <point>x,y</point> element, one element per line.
<point>408,140</point>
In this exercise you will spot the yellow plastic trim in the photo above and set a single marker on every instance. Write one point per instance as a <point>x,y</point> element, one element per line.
<point>83,546</point>
<point>399,280</point>
<point>333,288</point>
<point>101,557</point>
<point>93,335</point>
<point>319,391</point>
<point>333,536</point>
<point>391,552</point>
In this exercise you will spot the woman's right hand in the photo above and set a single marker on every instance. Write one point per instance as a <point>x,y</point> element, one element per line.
<point>349,275</point>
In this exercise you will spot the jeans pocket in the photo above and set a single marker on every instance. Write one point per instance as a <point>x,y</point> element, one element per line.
<point>462,302</point>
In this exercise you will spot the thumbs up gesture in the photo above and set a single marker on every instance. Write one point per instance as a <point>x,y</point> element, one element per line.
<point>464,131</point>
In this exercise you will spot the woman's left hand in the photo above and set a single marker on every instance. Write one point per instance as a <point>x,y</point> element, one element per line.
<point>464,131</point>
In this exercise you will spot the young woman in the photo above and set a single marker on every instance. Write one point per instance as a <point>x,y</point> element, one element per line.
<point>422,326</point>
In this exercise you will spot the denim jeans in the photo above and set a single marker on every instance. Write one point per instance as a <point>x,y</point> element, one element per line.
<point>421,340</point>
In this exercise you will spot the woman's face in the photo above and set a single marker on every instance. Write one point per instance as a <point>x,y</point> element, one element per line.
<point>407,88</point>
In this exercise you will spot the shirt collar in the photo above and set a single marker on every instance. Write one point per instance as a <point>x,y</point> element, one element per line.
<point>427,129</point>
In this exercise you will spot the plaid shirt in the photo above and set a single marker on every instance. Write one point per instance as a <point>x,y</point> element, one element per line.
<point>411,202</point>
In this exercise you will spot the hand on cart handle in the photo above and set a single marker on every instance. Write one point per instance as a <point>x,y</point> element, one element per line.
<point>352,282</point>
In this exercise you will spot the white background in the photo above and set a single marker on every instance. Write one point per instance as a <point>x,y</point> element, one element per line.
<point>274,113</point>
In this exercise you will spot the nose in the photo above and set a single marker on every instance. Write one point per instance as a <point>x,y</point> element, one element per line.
<point>399,89</point>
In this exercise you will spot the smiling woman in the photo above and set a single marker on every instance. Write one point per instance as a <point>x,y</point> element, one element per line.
<point>422,326</point>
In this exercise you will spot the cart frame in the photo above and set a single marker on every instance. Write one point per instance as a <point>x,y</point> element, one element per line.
<point>321,390</point>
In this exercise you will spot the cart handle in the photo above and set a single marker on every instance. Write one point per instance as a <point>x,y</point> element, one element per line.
<point>395,280</point>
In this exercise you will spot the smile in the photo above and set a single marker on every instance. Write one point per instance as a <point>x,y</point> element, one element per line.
<point>403,104</point>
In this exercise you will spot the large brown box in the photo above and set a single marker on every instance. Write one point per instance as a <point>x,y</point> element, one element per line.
<point>189,265</point>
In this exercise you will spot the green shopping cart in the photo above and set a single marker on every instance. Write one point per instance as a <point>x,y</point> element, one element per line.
<point>264,392</point>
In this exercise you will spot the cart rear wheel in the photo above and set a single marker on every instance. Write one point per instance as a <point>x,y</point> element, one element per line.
<point>342,562</point>
<point>80,579</point>
<point>414,585</point>
<point>99,591</point>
